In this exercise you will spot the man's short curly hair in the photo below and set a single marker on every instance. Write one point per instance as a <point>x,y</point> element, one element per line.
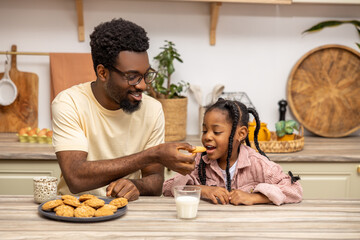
<point>110,38</point>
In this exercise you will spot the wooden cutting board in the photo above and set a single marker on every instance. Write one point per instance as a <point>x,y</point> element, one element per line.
<point>23,112</point>
<point>323,91</point>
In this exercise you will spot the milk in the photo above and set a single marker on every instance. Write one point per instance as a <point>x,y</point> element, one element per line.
<point>187,206</point>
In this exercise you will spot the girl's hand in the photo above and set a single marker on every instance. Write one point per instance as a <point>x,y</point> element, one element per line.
<point>240,197</point>
<point>215,194</point>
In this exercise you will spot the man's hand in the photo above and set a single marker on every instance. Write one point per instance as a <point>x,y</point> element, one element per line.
<point>123,188</point>
<point>170,156</point>
<point>215,194</point>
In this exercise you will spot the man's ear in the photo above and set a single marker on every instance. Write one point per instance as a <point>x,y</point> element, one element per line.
<point>241,133</point>
<point>102,72</point>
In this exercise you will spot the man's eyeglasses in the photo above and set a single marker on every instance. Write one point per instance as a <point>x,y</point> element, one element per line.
<point>134,78</point>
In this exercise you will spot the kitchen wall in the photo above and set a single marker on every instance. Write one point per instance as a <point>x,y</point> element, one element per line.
<point>256,47</point>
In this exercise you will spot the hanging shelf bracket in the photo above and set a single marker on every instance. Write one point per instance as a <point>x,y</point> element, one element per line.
<point>80,18</point>
<point>214,11</point>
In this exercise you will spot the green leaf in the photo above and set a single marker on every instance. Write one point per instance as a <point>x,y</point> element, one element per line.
<point>290,123</point>
<point>355,22</point>
<point>170,69</point>
<point>289,130</point>
<point>179,59</point>
<point>297,126</point>
<point>280,133</point>
<point>322,25</point>
<point>279,126</point>
<point>325,24</point>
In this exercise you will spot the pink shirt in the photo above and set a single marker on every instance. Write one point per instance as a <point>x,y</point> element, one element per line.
<point>253,173</point>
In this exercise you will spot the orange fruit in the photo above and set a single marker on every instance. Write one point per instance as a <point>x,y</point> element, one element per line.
<point>49,133</point>
<point>24,130</point>
<point>42,132</point>
<point>33,132</point>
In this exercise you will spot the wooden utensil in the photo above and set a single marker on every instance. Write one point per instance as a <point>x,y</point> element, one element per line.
<point>323,91</point>
<point>23,111</point>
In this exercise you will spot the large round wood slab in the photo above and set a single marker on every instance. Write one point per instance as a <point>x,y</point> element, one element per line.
<point>323,91</point>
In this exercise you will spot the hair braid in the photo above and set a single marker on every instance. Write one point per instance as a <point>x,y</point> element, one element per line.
<point>256,132</point>
<point>201,170</point>
<point>234,113</point>
<point>247,141</point>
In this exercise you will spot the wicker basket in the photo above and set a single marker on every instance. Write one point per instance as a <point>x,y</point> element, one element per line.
<point>175,111</point>
<point>275,146</point>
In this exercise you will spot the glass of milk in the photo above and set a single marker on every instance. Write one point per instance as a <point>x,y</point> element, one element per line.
<point>187,200</point>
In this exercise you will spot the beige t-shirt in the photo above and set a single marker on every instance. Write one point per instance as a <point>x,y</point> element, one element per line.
<point>81,123</point>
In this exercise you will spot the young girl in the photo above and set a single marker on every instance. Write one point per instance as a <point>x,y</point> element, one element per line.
<point>229,171</point>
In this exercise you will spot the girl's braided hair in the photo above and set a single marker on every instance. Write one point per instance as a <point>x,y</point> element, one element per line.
<point>238,114</point>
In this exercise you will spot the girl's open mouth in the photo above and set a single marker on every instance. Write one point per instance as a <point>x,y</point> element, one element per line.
<point>210,149</point>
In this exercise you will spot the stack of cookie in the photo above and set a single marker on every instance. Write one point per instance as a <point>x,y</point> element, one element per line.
<point>85,206</point>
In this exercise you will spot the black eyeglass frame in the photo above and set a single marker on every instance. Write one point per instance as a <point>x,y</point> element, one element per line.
<point>141,77</point>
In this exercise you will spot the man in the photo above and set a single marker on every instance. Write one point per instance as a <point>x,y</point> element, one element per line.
<point>108,131</point>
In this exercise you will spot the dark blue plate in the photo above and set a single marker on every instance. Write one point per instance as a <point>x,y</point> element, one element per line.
<point>52,215</point>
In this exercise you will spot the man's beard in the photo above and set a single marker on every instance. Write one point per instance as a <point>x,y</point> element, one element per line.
<point>120,97</point>
<point>129,107</point>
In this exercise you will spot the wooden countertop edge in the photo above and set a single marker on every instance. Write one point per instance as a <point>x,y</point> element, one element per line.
<point>27,156</point>
<point>273,157</point>
<point>316,150</point>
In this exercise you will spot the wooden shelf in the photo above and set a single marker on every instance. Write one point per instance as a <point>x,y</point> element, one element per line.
<point>236,1</point>
<point>214,11</point>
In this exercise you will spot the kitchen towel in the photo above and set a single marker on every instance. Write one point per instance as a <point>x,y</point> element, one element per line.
<point>69,69</point>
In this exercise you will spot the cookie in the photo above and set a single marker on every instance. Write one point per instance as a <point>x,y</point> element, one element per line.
<point>48,206</point>
<point>64,211</point>
<point>95,202</point>
<point>198,149</point>
<point>103,212</point>
<point>109,207</point>
<point>85,197</point>
<point>63,197</point>
<point>84,212</point>
<point>72,202</point>
<point>119,202</point>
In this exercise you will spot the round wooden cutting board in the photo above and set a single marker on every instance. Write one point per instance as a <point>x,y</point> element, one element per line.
<point>323,91</point>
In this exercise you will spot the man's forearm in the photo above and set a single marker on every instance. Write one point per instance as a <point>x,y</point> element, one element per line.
<point>82,175</point>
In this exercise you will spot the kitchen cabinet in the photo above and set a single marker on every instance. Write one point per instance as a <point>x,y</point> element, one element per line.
<point>16,175</point>
<point>327,179</point>
<point>329,167</point>
<point>20,162</point>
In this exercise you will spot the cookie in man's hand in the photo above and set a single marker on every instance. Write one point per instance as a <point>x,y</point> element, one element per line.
<point>198,149</point>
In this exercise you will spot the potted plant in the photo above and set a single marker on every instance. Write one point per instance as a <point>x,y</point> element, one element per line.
<point>170,94</point>
<point>285,129</point>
